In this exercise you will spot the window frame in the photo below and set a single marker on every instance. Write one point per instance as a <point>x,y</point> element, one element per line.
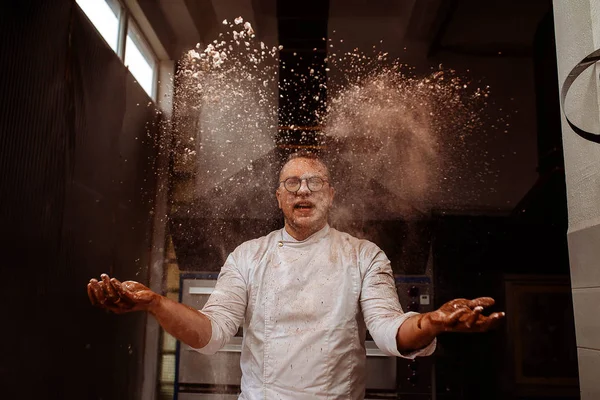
<point>140,41</point>
<point>127,22</point>
<point>117,8</point>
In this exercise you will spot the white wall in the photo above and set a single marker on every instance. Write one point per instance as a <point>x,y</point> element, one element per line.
<point>577,25</point>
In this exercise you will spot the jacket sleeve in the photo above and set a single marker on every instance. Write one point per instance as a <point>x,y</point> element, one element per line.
<point>226,306</point>
<point>380,305</point>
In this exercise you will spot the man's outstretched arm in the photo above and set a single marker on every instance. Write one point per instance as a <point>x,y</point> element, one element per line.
<point>183,322</point>
<point>460,315</point>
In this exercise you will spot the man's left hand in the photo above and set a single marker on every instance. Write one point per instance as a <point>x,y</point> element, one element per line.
<point>462,315</point>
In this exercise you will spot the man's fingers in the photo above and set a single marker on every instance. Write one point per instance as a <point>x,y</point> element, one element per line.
<point>116,284</point>
<point>473,317</point>
<point>97,291</point>
<point>91,295</point>
<point>481,302</point>
<point>111,293</point>
<point>124,294</point>
<point>487,323</point>
<point>453,318</point>
<point>496,317</point>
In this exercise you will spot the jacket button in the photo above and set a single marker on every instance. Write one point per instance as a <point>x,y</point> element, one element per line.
<point>280,244</point>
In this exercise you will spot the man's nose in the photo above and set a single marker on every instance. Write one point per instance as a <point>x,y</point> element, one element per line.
<point>303,187</point>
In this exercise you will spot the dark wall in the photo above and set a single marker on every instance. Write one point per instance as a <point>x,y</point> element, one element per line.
<point>476,256</point>
<point>483,255</point>
<point>77,182</point>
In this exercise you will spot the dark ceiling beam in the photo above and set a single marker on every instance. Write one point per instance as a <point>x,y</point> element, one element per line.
<point>265,16</point>
<point>425,18</point>
<point>203,16</point>
<point>445,14</point>
<point>302,28</point>
<point>163,29</point>
<point>176,16</point>
<point>372,9</point>
<point>230,9</point>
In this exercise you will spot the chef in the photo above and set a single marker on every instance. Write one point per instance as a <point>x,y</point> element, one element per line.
<point>306,295</point>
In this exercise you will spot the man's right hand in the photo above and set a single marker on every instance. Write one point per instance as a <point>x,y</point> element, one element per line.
<point>183,322</point>
<point>110,294</point>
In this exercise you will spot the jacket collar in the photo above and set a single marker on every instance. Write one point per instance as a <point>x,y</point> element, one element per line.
<point>315,237</point>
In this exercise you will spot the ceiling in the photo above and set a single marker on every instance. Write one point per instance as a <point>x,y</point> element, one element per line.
<point>470,26</point>
<point>493,40</point>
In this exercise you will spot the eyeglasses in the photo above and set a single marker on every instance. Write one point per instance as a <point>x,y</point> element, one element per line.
<point>293,184</point>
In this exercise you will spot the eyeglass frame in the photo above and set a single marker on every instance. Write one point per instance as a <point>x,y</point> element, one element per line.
<point>307,183</point>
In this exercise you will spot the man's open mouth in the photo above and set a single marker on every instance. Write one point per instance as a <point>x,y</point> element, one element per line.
<point>303,206</point>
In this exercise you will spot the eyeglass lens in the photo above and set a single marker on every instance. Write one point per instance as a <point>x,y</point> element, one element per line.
<point>293,184</point>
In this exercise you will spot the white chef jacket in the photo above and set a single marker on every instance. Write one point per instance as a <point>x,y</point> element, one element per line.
<point>305,308</point>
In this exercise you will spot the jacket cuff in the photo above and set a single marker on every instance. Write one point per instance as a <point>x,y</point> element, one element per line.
<point>425,351</point>
<point>214,344</point>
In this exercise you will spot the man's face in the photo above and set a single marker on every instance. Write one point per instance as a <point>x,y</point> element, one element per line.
<point>305,212</point>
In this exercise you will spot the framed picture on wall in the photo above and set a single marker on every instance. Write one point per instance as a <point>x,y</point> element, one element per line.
<point>541,333</point>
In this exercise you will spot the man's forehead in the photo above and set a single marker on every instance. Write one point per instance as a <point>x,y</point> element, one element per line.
<point>298,166</point>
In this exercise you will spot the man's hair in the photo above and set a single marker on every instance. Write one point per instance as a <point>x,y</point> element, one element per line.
<point>311,155</point>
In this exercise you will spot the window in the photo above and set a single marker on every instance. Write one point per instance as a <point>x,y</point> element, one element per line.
<point>140,60</point>
<point>105,15</point>
<point>112,21</point>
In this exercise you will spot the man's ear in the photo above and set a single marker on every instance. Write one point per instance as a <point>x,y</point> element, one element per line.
<point>332,191</point>
<point>277,195</point>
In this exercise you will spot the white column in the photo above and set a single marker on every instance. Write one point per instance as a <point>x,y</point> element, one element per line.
<point>577,25</point>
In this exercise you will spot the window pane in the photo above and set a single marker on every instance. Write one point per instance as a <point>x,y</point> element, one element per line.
<point>140,60</point>
<point>104,17</point>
